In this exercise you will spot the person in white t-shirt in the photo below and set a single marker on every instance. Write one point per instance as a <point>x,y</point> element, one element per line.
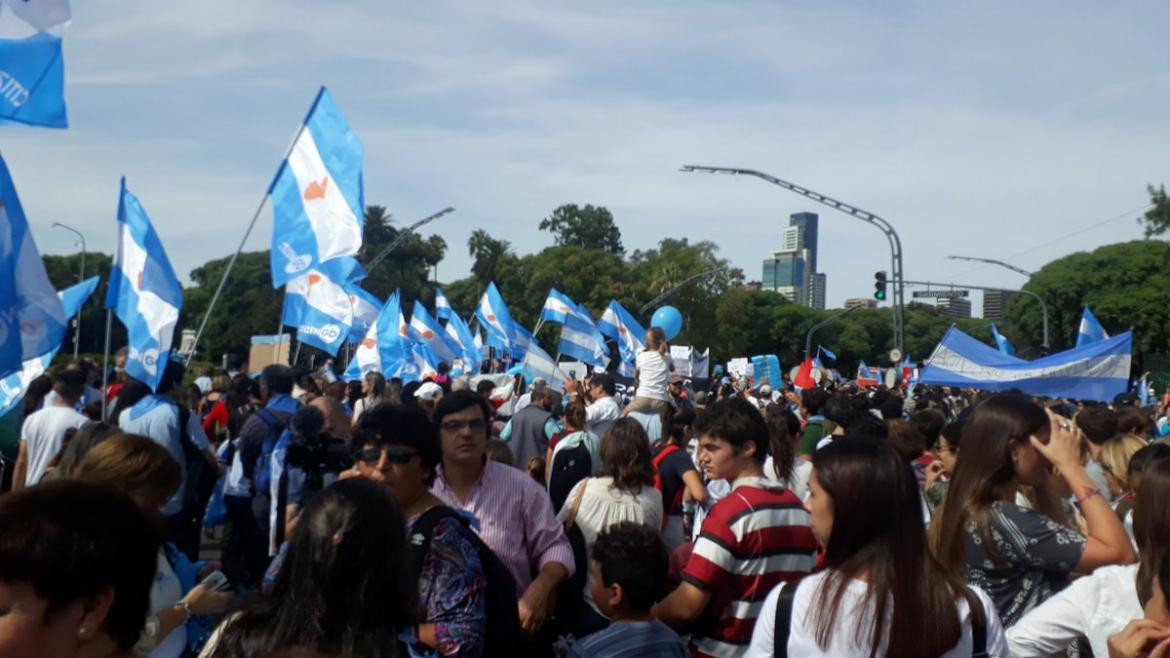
<point>43,434</point>
<point>603,407</point>
<point>653,372</point>
<point>783,464</point>
<point>881,592</point>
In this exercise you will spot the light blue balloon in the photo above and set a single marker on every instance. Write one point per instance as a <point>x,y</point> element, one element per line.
<point>669,320</point>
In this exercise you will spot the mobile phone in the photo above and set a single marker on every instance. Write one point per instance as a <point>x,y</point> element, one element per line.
<point>216,582</point>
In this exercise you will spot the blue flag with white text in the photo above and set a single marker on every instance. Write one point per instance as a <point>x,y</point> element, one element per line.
<point>144,292</point>
<point>32,82</point>
<point>317,198</point>
<point>32,319</point>
<point>318,304</point>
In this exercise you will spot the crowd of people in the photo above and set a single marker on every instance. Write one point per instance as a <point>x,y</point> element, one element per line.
<point>290,514</point>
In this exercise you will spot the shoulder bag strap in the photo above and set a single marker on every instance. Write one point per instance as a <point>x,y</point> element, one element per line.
<point>782,628</point>
<point>978,627</point>
<point>576,504</point>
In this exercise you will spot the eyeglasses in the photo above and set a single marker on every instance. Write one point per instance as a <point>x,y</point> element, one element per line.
<point>371,456</point>
<point>459,425</point>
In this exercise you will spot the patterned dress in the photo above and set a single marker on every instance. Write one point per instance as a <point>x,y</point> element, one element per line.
<point>452,590</point>
<point>1029,561</point>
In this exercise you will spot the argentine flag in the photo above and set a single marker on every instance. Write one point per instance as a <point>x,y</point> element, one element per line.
<point>318,305</point>
<point>13,386</point>
<point>580,337</point>
<point>1090,330</point>
<point>144,292</point>
<point>365,310</point>
<point>495,318</point>
<point>469,347</point>
<point>537,363</point>
<point>384,347</point>
<point>317,198</point>
<point>617,323</point>
<point>1002,342</point>
<point>443,310</point>
<point>427,330</point>
<point>32,319</point>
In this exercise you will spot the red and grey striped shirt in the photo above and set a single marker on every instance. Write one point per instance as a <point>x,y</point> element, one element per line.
<point>751,541</point>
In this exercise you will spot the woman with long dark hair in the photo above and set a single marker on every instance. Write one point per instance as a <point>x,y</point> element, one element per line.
<point>783,464</point>
<point>1100,604</point>
<point>1022,556</point>
<point>623,491</point>
<point>373,392</point>
<point>342,590</point>
<point>676,478</point>
<point>881,592</point>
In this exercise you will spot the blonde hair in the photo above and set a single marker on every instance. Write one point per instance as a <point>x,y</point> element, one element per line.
<point>132,464</point>
<point>1115,455</point>
<point>221,383</point>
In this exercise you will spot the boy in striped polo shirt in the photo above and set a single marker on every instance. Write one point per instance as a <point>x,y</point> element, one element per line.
<point>752,540</point>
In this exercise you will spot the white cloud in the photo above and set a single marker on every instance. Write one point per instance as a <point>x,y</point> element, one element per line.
<point>984,129</point>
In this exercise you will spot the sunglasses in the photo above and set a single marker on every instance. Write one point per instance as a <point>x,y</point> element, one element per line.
<point>371,456</point>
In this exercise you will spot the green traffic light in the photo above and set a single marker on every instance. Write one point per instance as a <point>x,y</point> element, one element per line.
<point>880,295</point>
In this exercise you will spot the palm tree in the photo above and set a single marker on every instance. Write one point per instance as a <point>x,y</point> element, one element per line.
<point>487,253</point>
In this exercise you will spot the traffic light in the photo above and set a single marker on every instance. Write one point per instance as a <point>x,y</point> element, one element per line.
<point>879,286</point>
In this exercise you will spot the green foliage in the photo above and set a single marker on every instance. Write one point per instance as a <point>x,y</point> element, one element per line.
<point>1126,284</point>
<point>591,227</point>
<point>489,256</point>
<point>407,267</point>
<point>1157,219</point>
<point>249,305</point>
<point>63,272</point>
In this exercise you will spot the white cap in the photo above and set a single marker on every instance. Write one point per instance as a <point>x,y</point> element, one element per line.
<point>429,391</point>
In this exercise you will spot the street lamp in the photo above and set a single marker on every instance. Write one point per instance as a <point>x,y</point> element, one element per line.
<point>992,261</point>
<point>832,318</point>
<point>402,236</point>
<point>863,215</point>
<point>668,293</point>
<point>80,278</point>
<point>1038,298</point>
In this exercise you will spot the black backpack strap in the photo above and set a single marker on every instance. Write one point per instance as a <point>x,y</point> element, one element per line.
<point>978,627</point>
<point>782,628</point>
<point>420,535</point>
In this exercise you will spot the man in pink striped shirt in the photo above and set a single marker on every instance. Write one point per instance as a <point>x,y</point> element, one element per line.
<point>515,514</point>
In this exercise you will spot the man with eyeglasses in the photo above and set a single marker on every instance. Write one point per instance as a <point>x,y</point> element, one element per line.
<point>514,512</point>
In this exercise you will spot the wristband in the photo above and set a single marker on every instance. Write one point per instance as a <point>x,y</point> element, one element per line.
<point>1088,494</point>
<point>186,608</point>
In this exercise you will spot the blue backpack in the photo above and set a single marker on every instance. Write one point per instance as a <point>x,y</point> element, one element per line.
<point>262,473</point>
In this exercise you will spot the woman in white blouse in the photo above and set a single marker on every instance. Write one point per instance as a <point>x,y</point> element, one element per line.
<point>623,491</point>
<point>1102,603</point>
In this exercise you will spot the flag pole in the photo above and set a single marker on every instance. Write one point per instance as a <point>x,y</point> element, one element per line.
<point>252,224</point>
<point>106,359</point>
<point>223,280</point>
<point>280,328</point>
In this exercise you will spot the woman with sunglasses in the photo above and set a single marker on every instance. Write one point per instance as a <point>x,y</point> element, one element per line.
<point>396,447</point>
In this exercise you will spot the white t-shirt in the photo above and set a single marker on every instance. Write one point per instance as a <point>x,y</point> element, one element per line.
<point>164,594</point>
<point>43,434</point>
<point>601,414</point>
<point>603,506</point>
<point>802,637</point>
<point>798,483</point>
<point>1096,606</point>
<point>653,376</point>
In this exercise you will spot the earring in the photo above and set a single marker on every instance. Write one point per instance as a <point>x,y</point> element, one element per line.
<point>81,632</point>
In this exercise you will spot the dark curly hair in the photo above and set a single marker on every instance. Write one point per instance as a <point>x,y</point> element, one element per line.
<point>633,556</point>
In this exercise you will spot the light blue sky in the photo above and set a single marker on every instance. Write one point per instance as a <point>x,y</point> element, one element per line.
<point>982,128</point>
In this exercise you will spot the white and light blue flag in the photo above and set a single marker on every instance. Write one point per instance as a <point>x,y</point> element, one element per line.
<point>537,363</point>
<point>766,370</point>
<point>617,323</point>
<point>1143,390</point>
<point>863,371</point>
<point>443,310</point>
<point>13,386</point>
<point>317,304</point>
<point>426,329</point>
<point>365,310</point>
<point>1099,371</point>
<point>827,352</point>
<point>32,319</point>
<point>1002,342</point>
<point>384,347</point>
<point>317,197</point>
<point>468,343</point>
<point>580,337</point>
<point>1090,330</point>
<point>144,292</point>
<point>495,318</point>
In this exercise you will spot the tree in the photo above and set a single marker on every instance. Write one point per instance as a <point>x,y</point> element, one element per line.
<point>1157,219</point>
<point>591,227</point>
<point>249,305</point>
<point>407,267</point>
<point>488,254</point>
<point>1126,284</point>
<point>62,271</point>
